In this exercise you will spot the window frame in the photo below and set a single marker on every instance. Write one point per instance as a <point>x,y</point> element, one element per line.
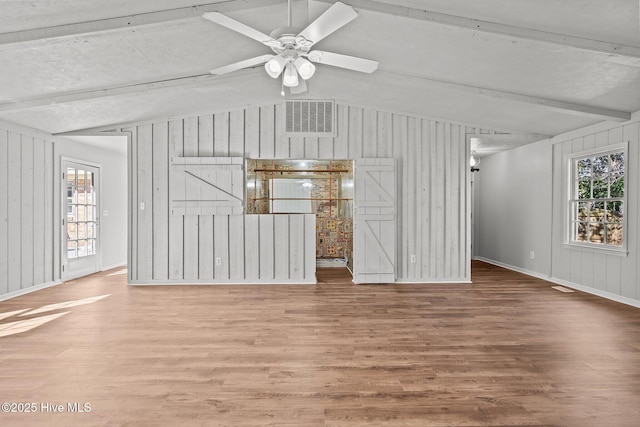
<point>571,161</point>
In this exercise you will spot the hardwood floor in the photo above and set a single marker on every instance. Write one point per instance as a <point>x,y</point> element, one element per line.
<point>507,350</point>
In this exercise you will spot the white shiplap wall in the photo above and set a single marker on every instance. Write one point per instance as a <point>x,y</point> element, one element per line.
<point>432,188</point>
<point>26,212</point>
<point>601,273</point>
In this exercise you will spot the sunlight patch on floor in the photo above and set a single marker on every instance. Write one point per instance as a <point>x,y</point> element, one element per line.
<point>117,273</point>
<point>26,325</point>
<point>65,304</point>
<point>562,289</point>
<point>12,313</point>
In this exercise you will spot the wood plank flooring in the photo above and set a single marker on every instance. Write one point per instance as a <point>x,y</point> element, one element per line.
<point>507,350</point>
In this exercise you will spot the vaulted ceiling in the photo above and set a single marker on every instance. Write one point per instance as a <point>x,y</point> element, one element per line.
<point>530,68</point>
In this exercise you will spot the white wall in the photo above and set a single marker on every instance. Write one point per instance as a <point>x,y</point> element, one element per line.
<point>30,207</point>
<point>519,207</point>
<point>432,215</point>
<point>512,207</point>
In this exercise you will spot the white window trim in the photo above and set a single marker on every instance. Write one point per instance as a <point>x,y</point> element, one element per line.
<point>569,180</point>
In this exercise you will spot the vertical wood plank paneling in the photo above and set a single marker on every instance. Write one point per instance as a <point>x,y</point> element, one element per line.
<point>310,247</point>
<point>355,133</point>
<point>433,150</point>
<point>207,147</point>
<point>602,139</point>
<point>432,184</point>
<point>296,147</point>
<point>222,144</point>
<point>236,248</point>
<point>282,247</point>
<point>388,137</point>
<point>39,215</point>
<point>132,151</point>
<point>252,247</point>
<point>281,141</point>
<point>4,205</point>
<point>266,247</point>
<point>612,268</point>
<point>267,132</point>
<point>26,189</point>
<point>296,247</point>
<point>575,257</point>
<point>440,196</point>
<point>160,200</point>
<point>310,147</point>
<point>14,265</point>
<point>423,135</point>
<point>411,201</point>
<point>325,148</point>
<point>205,136</point>
<point>236,133</point>
<point>191,231</point>
<point>589,142</point>
<point>629,265</point>
<point>50,225</point>
<point>369,134</point>
<point>464,253</point>
<point>221,244</point>
<point>252,132</point>
<point>399,136</point>
<point>176,192</point>
<point>456,187</point>
<point>341,143</point>
<point>145,195</point>
<point>448,208</point>
<point>587,264</point>
<point>418,193</point>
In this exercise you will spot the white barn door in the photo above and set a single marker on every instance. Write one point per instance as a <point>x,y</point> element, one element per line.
<point>374,221</point>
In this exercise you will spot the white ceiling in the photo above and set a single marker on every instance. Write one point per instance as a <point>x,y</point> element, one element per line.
<point>71,65</point>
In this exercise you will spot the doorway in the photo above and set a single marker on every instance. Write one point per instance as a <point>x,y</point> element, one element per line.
<point>81,203</point>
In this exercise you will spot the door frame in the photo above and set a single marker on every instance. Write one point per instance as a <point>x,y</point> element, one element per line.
<point>64,261</point>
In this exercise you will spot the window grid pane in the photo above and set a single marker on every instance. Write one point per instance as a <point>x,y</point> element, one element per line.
<point>81,213</point>
<point>597,205</point>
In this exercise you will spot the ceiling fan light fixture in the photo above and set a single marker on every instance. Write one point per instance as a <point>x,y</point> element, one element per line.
<point>305,68</point>
<point>275,65</point>
<point>290,78</point>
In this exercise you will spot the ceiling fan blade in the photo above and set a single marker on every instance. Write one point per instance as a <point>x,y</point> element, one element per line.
<point>242,64</point>
<point>334,18</point>
<point>241,28</point>
<point>344,61</point>
<point>301,88</point>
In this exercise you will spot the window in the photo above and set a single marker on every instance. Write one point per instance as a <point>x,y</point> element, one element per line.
<point>597,199</point>
<point>81,213</point>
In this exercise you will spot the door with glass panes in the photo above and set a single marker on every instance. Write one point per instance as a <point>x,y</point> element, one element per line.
<point>80,228</point>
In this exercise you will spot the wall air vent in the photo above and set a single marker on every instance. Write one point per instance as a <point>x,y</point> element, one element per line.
<point>310,118</point>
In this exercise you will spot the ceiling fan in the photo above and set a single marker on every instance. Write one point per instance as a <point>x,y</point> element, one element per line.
<point>292,55</point>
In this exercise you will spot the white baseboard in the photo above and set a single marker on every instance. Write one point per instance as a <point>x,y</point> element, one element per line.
<point>112,266</point>
<point>568,284</point>
<point>513,268</point>
<point>28,290</point>
<point>596,292</point>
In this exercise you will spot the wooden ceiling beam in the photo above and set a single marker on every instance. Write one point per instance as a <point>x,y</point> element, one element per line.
<point>616,52</point>
<point>548,103</point>
<point>203,79</point>
<point>128,22</point>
